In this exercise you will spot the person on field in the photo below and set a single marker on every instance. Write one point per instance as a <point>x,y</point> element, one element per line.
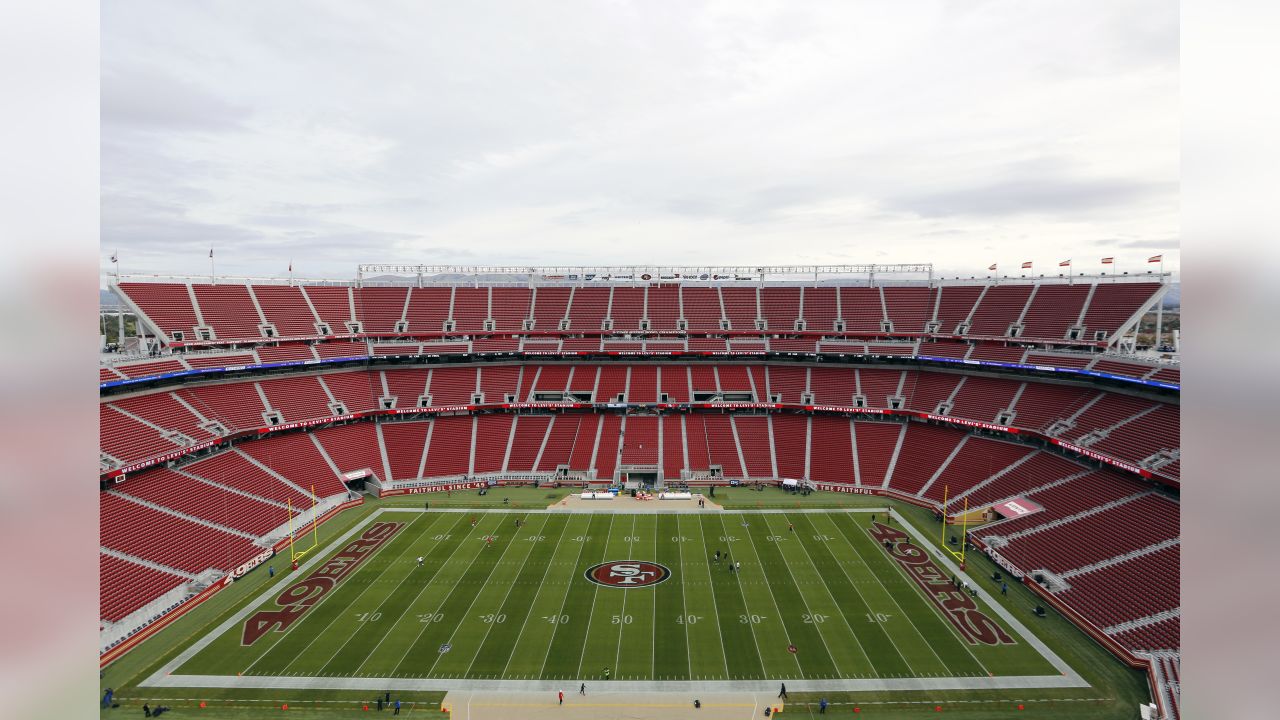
<point>791,527</point>
<point>560,695</point>
<point>873,517</point>
<point>146,710</point>
<point>783,692</point>
<point>1004,588</point>
<point>397,712</point>
<point>106,697</point>
<point>488,540</point>
<point>738,567</point>
<point>822,706</point>
<point>419,561</point>
<point>582,690</point>
<point>271,571</point>
<point>607,673</point>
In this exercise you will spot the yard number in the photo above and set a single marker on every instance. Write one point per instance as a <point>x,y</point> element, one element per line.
<point>688,619</point>
<point>556,619</point>
<point>368,617</point>
<point>752,619</point>
<point>430,617</point>
<point>814,618</point>
<point>878,617</point>
<point>621,619</point>
<point>490,619</point>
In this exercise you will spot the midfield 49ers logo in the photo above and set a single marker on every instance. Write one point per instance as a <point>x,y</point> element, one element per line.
<point>628,573</point>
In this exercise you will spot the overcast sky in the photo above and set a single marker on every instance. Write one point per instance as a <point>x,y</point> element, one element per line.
<point>335,133</point>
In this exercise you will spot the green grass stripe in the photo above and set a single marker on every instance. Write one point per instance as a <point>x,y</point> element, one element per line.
<point>707,645</point>
<point>565,654</point>
<point>775,573</point>
<point>880,652</point>
<point>424,654</point>
<point>496,651</point>
<point>746,613</point>
<point>608,607</point>
<point>532,647</point>
<point>670,638</point>
<point>350,646</point>
<point>638,638</point>
<point>485,612</point>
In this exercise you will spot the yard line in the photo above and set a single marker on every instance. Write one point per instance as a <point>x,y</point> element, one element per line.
<point>738,577</point>
<point>310,612</point>
<point>423,589</point>
<point>472,604</point>
<point>653,637</point>
<point>595,592</point>
<point>546,572</point>
<point>480,645</point>
<point>617,662</point>
<point>840,611</point>
<point>803,599</point>
<point>937,611</point>
<point>892,597</point>
<point>684,596</point>
<point>569,587</point>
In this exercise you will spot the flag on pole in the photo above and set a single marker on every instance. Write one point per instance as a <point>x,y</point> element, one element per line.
<point>993,266</point>
<point>1026,265</point>
<point>1108,261</point>
<point>1065,263</point>
<point>115,256</point>
<point>290,265</point>
<point>1155,258</point>
<point>210,252</point>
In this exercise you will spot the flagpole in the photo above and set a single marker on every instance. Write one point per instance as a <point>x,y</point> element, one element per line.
<point>1160,309</point>
<point>212,280</point>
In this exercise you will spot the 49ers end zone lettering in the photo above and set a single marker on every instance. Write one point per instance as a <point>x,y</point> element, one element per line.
<point>955,603</point>
<point>302,595</point>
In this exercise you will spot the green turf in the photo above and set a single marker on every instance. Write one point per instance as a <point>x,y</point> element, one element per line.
<point>521,608</point>
<point>518,646</point>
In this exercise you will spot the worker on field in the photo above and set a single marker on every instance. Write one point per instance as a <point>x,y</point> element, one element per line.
<point>607,673</point>
<point>419,561</point>
<point>582,690</point>
<point>560,695</point>
<point>822,706</point>
<point>488,540</point>
<point>783,692</point>
<point>397,712</point>
<point>791,527</point>
<point>1004,588</point>
<point>739,567</point>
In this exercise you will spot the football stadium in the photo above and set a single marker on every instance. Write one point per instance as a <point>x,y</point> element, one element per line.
<point>644,492</point>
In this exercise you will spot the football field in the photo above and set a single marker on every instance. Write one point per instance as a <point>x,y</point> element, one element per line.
<point>545,596</point>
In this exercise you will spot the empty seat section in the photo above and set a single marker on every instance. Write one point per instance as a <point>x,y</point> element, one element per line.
<point>550,306</point>
<point>470,308</point>
<point>793,345</point>
<point>229,310</point>
<point>379,308</point>
<point>564,429</point>
<point>452,385</point>
<point>780,307</point>
<point>127,586</point>
<point>929,389</point>
<point>613,383</point>
<point>640,440</point>
<point>696,439</point>
<point>1093,538</point>
<point>1114,303</point>
<point>876,443</point>
<point>236,471</point>
<point>353,447</point>
<point>588,309</point>
<point>1074,496</point>
<point>1075,361</point>
<point>820,309</point>
<point>550,378</point>
<point>703,379</point>
<point>1111,410</point>
<point>1136,441</point>
<point>332,304</point>
<point>1053,310</point>
<point>734,378</point>
<point>147,369</point>
<point>740,307</point>
<point>643,386</point>
<point>879,385</point>
<point>944,349</point>
<point>359,390</point>
<point>581,345</point>
<point>126,439</point>
<point>295,457</point>
<point>757,446</point>
<point>672,447</point>
<point>404,384</point>
<point>1128,590</point>
<point>663,307</point>
<point>607,452</point>
<point>1041,469</point>
<point>428,309</point>
<point>721,447</point>
<point>1041,404</point>
<point>584,443</point>
<point>979,459</point>
<point>924,450</point>
<point>493,435</point>
<point>530,431</point>
<point>862,309</point>
<point>405,443</point>
<point>675,382</point>
<point>789,383</point>
<point>168,305</point>
<point>342,349</point>
<point>831,450</point>
<point>286,308</point>
<point>510,308</point>
<point>160,408</point>
<point>702,308</point>
<point>450,450</point>
<point>999,309</point>
<point>836,386</point>
<point>910,308</point>
<point>168,539</point>
<point>182,494</point>
<point>790,443</point>
<point>219,360</point>
<point>1124,369</point>
<point>997,353</point>
<point>1162,635</point>
<point>982,398</point>
<point>716,345</point>
<point>236,405</point>
<point>499,382</point>
<point>627,308</point>
<point>955,303</point>
<point>284,353</point>
<point>582,382</point>
<point>296,398</point>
